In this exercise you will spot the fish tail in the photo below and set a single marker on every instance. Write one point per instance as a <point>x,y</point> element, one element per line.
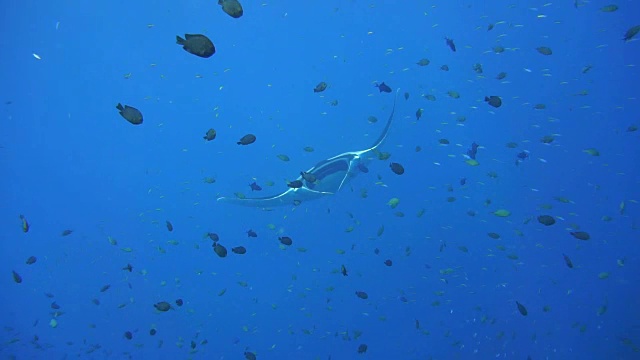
<point>180,40</point>
<point>119,107</point>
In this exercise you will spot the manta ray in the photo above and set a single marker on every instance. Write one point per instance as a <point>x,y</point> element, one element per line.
<point>331,175</point>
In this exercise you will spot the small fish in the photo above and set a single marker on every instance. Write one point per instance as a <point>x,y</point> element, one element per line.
<point>252,233</point>
<point>16,277</point>
<point>494,101</point>
<point>240,250</point>
<point>128,335</point>
<point>567,261</point>
<point>309,177</point>
<point>295,184</point>
<point>231,7</point>
<point>544,50</point>
<point>31,260</point>
<point>66,232</point>
<point>247,139</point>
<point>383,87</point>
<point>105,288</point>
<point>210,135</point>
<point>322,86</point>
<point>131,114</point>
<point>129,268</point>
<point>220,250</point>
<point>631,33</point>
<point>285,240</point>
<point>362,348</point>
<point>255,187</point>
<point>362,295</point>
<point>398,169</point>
<point>473,151</point>
<point>343,270</point>
<point>179,302</point>
<point>523,310</point>
<point>419,113</point>
<point>450,44</point>
<point>388,262</point>
<point>169,226</point>
<point>197,44</point>
<point>162,306</point>
<point>25,224</point>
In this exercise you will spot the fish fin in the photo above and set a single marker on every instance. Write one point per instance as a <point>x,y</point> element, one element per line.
<point>180,40</point>
<point>119,107</point>
<point>188,36</point>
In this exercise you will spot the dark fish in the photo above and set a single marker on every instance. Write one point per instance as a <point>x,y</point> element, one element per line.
<point>247,139</point>
<point>105,288</point>
<point>55,306</point>
<point>444,67</point>
<point>66,232</point>
<point>581,235</point>
<point>231,7</point>
<point>152,332</point>
<point>376,251</point>
<point>522,309</point>
<point>197,44</point>
<point>383,87</point>
<point>631,33</point>
<point>31,260</point>
<point>363,168</point>
<point>308,177</point>
<point>128,335</point>
<point>193,344</point>
<point>473,150</point>
<point>255,187</point>
<point>210,135</point>
<point>450,44</point>
<point>130,114</point>
<point>162,306</point>
<point>343,270</point>
<point>240,250</point>
<point>16,277</point>
<point>494,101</point>
<point>251,233</point>
<point>362,295</point>
<point>546,220</point>
<point>398,169</point>
<point>213,236</point>
<point>295,184</point>
<point>490,27</point>
<point>248,355</point>
<point>388,262</point>
<point>95,301</point>
<point>169,225</point>
<point>544,50</point>
<point>463,181</point>
<point>179,302</point>
<point>220,250</point>
<point>567,261</point>
<point>362,348</point>
<point>129,268</point>
<point>322,86</point>
<point>522,156</point>
<point>25,224</point>
<point>285,240</point>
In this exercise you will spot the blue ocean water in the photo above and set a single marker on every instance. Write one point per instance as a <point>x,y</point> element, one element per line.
<point>458,270</point>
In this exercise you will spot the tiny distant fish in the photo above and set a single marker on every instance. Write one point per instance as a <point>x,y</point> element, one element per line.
<point>450,44</point>
<point>25,223</point>
<point>255,187</point>
<point>169,225</point>
<point>383,87</point>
